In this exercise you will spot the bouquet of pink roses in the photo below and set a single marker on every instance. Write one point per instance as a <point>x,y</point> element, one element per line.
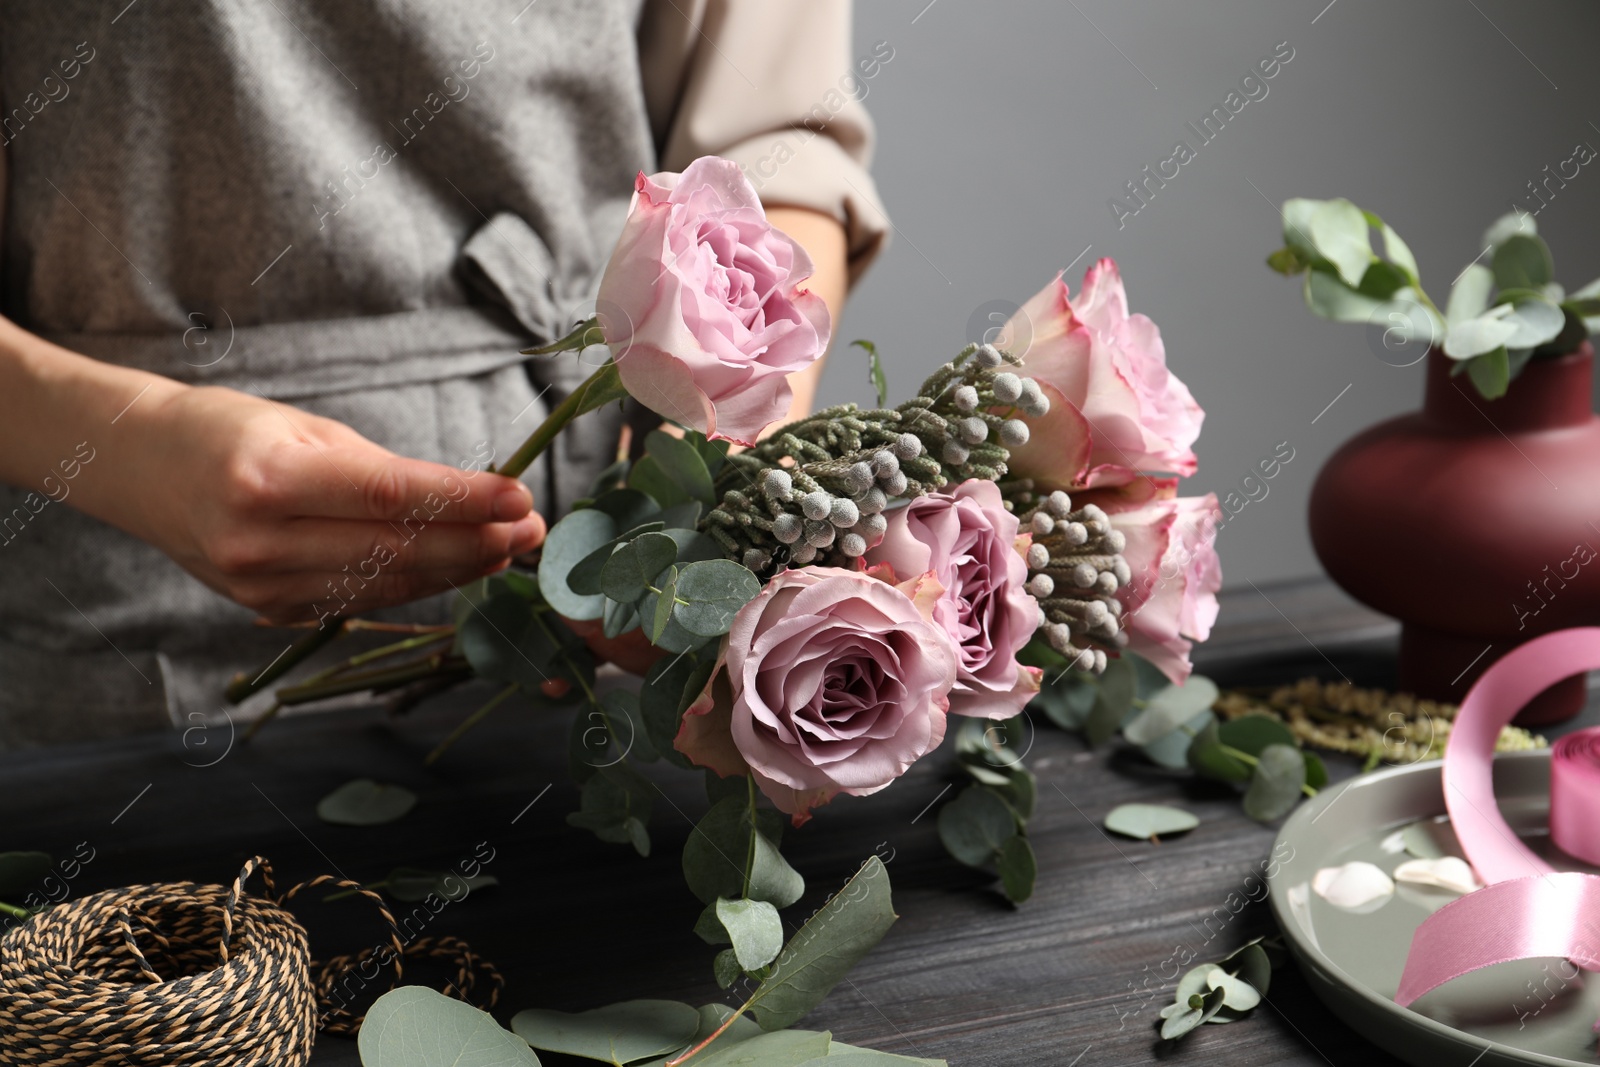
<point>809,611</point>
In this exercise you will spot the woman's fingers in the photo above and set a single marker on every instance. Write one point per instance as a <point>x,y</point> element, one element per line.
<point>365,482</point>
<point>332,546</point>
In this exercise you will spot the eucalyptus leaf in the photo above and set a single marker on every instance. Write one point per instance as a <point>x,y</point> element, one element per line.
<point>1169,708</point>
<point>628,508</point>
<point>1328,296</point>
<point>1398,252</point>
<point>1339,232</point>
<point>1289,261</point>
<point>21,872</point>
<point>1275,787</point>
<point>725,968</point>
<point>661,617</point>
<point>682,463</point>
<point>1236,993</point>
<point>1522,261</point>
<point>1193,982</point>
<point>1250,962</point>
<point>1491,373</point>
<point>616,1033</point>
<point>661,704</point>
<point>1018,868</point>
<point>975,824</point>
<point>755,929</point>
<point>1474,337</point>
<point>1297,214</point>
<point>1469,296</point>
<point>785,1048</point>
<point>364,802</point>
<point>1145,821</point>
<point>1067,703</point>
<point>1252,733</point>
<point>718,853</point>
<point>1420,842</point>
<point>568,543</point>
<point>1507,225</point>
<point>1211,760</point>
<point>414,1026</point>
<point>503,644</point>
<point>1536,322</point>
<point>633,567</point>
<point>825,949</point>
<point>1177,1025</point>
<point>650,477</point>
<point>1172,751</point>
<point>710,593</point>
<point>1383,280</point>
<point>712,1018</point>
<point>620,619</point>
<point>1316,770</point>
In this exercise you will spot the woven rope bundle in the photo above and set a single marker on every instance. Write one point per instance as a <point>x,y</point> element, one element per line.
<point>186,975</point>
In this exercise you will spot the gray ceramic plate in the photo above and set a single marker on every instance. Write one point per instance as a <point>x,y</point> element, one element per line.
<point>1530,1011</point>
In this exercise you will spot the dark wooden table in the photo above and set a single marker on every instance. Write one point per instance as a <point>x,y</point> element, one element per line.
<point>576,923</point>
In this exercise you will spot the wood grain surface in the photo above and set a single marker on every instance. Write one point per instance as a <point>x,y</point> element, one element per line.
<point>1073,977</point>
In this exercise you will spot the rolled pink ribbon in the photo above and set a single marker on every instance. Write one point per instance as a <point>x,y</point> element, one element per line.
<point>1526,910</point>
<point>1575,794</point>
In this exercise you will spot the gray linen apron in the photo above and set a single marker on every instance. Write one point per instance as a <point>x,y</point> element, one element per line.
<point>363,208</point>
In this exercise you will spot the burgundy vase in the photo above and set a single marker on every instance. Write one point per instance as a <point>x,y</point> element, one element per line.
<point>1474,522</point>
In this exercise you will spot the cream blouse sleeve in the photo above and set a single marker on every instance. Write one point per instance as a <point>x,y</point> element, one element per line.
<point>771,85</point>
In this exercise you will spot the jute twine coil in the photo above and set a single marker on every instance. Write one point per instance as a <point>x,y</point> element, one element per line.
<point>192,975</point>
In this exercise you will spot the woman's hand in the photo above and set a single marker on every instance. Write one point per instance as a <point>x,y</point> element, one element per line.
<point>296,516</point>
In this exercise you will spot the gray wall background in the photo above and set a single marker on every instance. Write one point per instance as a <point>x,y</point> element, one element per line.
<point>1006,126</point>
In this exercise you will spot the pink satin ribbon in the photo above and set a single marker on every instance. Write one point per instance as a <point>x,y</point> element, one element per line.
<point>1526,909</point>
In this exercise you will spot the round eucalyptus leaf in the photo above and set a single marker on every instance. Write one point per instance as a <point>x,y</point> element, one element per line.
<point>755,929</point>
<point>1252,733</point>
<point>1145,821</point>
<point>1474,337</point>
<point>1194,981</point>
<point>414,1026</point>
<point>1316,770</point>
<point>617,1033</point>
<point>1172,751</point>
<point>1236,993</point>
<point>1491,373</point>
<point>1170,708</point>
<point>1339,232</point>
<point>1536,321</point>
<point>1177,1025</point>
<point>364,802</point>
<point>1522,261</point>
<point>1328,296</point>
<point>975,824</point>
<point>565,546</point>
<point>1508,225</point>
<point>632,568</point>
<point>1252,964</point>
<point>1018,868</point>
<point>1275,788</point>
<point>1469,296</point>
<point>710,593</point>
<point>1211,760</point>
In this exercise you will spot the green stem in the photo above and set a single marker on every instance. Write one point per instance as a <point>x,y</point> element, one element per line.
<point>14,911</point>
<point>718,1033</point>
<point>750,860</point>
<point>1252,761</point>
<point>389,677</point>
<point>469,722</point>
<point>601,387</point>
<point>242,686</point>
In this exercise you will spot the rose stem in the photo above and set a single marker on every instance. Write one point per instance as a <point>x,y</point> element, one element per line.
<point>469,722</point>
<point>241,687</point>
<point>601,387</point>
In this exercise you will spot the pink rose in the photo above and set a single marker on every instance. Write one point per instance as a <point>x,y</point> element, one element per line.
<point>1172,600</point>
<point>1115,409</point>
<point>967,539</point>
<point>831,682</point>
<point>701,307</point>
